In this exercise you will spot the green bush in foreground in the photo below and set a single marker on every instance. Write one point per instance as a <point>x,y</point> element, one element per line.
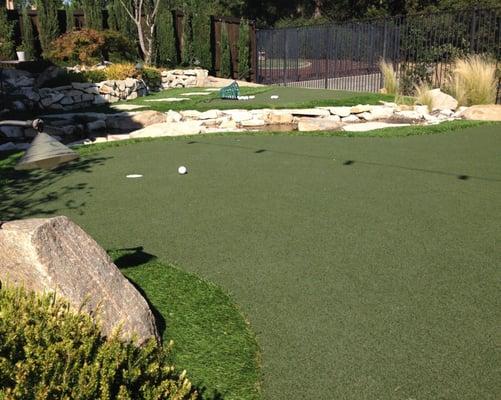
<point>48,351</point>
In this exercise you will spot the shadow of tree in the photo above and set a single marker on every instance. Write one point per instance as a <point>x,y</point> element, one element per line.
<point>22,196</point>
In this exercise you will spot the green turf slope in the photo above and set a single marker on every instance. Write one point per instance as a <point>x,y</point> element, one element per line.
<point>368,267</point>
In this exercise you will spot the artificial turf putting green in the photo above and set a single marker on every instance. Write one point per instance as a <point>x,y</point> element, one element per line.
<point>289,97</point>
<point>366,266</point>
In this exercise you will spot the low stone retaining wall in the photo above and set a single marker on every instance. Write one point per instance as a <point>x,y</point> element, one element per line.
<point>107,127</point>
<point>21,87</point>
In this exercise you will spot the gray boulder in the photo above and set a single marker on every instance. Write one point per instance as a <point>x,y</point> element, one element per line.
<point>55,254</point>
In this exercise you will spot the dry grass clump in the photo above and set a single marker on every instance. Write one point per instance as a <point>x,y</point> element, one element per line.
<point>473,81</point>
<point>389,76</point>
<point>423,95</point>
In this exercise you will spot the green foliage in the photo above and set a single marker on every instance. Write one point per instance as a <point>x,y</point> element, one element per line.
<point>187,54</point>
<point>225,68</point>
<point>48,22</point>
<point>69,9</point>
<point>166,45</point>
<point>48,351</point>
<point>201,33</point>
<point>121,71</point>
<point>67,77</point>
<point>6,31</point>
<point>118,20</point>
<point>88,46</point>
<point>93,14</point>
<point>152,77</point>
<point>244,62</point>
<point>27,35</point>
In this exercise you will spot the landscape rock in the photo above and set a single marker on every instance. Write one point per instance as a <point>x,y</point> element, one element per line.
<point>126,122</point>
<point>382,112</point>
<point>441,100</point>
<point>361,108</point>
<point>169,129</point>
<point>47,75</point>
<point>173,116</point>
<point>350,118</point>
<point>340,111</point>
<point>12,131</point>
<point>9,146</point>
<point>317,124</point>
<point>279,117</point>
<point>56,255</point>
<point>253,122</point>
<point>487,112</point>
<point>311,112</point>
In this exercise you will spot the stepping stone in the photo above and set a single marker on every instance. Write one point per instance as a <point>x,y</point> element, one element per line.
<point>370,126</point>
<point>168,99</point>
<point>195,94</point>
<point>126,107</point>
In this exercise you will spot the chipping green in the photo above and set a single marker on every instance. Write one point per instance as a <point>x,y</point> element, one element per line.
<point>289,97</point>
<point>367,266</point>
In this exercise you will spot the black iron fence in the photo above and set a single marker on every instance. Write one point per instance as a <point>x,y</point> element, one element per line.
<point>346,55</point>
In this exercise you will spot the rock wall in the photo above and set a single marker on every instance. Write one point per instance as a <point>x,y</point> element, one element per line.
<point>21,88</point>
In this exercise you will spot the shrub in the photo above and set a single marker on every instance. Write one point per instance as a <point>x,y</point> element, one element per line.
<point>166,45</point>
<point>473,81</point>
<point>201,32</point>
<point>423,95</point>
<point>93,14</point>
<point>187,48</point>
<point>48,23</point>
<point>152,77</point>
<point>88,46</point>
<point>27,34</point>
<point>389,77</point>
<point>67,77</point>
<point>6,31</point>
<point>225,67</point>
<point>244,66</point>
<point>48,351</point>
<point>121,71</point>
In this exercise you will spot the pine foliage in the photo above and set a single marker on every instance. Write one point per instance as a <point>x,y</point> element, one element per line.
<point>48,22</point>
<point>225,68</point>
<point>6,32</point>
<point>244,61</point>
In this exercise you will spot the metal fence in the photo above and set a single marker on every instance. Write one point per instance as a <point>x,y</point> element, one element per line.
<point>346,55</point>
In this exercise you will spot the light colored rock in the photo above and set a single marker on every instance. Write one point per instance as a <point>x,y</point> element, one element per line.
<point>361,108</point>
<point>381,112</point>
<point>446,112</point>
<point>183,128</point>
<point>96,126</point>
<point>442,100</point>
<point>238,115</point>
<point>252,123</point>
<point>488,112</point>
<point>54,254</point>
<point>132,96</point>
<point>128,123</point>
<point>114,138</point>
<point>12,131</point>
<point>9,146</point>
<point>334,118</point>
<point>317,124</point>
<point>129,82</point>
<point>410,115</point>
<point>227,123</point>
<point>311,112</point>
<point>370,126</point>
<point>173,116</point>
<point>167,100</point>
<point>340,111</point>
<point>191,114</point>
<point>350,118</point>
<point>367,116</point>
<point>279,117</point>
<point>460,111</point>
<point>210,114</point>
<point>126,107</point>
<point>105,89</point>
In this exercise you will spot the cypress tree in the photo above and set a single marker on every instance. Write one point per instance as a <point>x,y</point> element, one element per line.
<point>164,38</point>
<point>118,20</point>
<point>201,34</point>
<point>93,14</point>
<point>244,66</point>
<point>187,48</point>
<point>225,63</point>
<point>27,34</point>
<point>48,22</point>
<point>6,40</point>
<point>69,8</point>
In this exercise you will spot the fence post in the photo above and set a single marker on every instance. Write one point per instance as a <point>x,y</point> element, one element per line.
<point>285,57</point>
<point>326,55</point>
<point>385,43</point>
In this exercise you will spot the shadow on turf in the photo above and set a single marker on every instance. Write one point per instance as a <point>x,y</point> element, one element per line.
<point>136,256</point>
<point>23,195</point>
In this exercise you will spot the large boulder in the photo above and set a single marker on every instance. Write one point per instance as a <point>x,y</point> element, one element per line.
<point>442,101</point>
<point>55,254</point>
<point>484,112</point>
<point>128,122</point>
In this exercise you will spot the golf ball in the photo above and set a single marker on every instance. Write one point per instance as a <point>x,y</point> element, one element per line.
<point>182,170</point>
